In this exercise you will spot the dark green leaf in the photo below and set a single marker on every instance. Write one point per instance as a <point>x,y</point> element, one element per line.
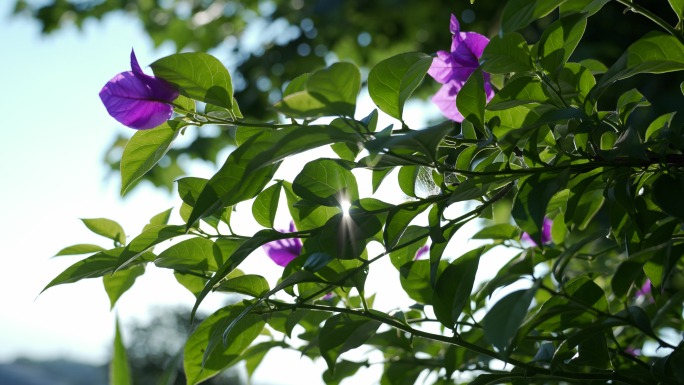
<point>414,277</point>
<point>498,231</point>
<point>529,205</point>
<point>393,80</point>
<point>452,292</point>
<point>408,176</point>
<point>520,13</point>
<point>472,99</point>
<point>307,217</point>
<point>343,369</point>
<point>197,76</point>
<point>505,317</point>
<point>398,220</point>
<point>594,66</point>
<point>667,193</point>
<point>588,7</point>
<point>343,332</point>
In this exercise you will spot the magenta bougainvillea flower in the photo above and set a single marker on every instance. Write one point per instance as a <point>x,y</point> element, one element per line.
<point>137,100</point>
<point>283,251</point>
<point>546,233</point>
<point>453,69</point>
<point>421,252</point>
<point>645,291</point>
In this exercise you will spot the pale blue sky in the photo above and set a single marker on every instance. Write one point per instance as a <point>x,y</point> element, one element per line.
<point>56,131</point>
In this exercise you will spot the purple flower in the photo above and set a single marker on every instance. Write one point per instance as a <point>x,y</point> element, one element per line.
<point>421,251</point>
<point>645,291</point>
<point>283,251</point>
<point>137,100</point>
<point>546,233</point>
<point>453,69</point>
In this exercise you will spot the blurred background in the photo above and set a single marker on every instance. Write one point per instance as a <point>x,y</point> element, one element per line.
<point>60,153</point>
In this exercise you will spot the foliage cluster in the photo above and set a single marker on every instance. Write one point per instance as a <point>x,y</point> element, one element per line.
<point>607,282</point>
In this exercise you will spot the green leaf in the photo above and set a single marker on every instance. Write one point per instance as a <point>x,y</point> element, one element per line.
<point>190,188</point>
<point>307,217</point>
<point>424,141</point>
<point>507,53</point>
<point>408,175</point>
<point>667,193</point>
<point>191,254</point>
<point>266,205</point>
<point>191,282</point>
<point>379,176</point>
<point>146,241</point>
<point>297,84</point>
<point>243,251</point>
<point>119,370</point>
<point>249,284</point>
<point>160,219</point>
<point>328,92</point>
<point>398,220</point>
<point>658,125</point>
<point>628,144</point>
<point>678,7</point>
<point>106,228</point>
<point>232,184</point>
<point>392,81</point>
<point>472,99</point>
<point>518,91</point>
<point>657,52</point>
<point>534,195</point>
<point>503,122</point>
<point>117,284</point>
<point>343,369</point>
<point>559,42</point>
<point>452,292</point>
<point>588,7</point>
<point>505,317</point>
<point>520,13</point>
<point>628,102</point>
<point>94,266</point>
<point>83,248</point>
<point>344,332</point>
<point>145,149</point>
<point>414,277</point>
<point>197,76</point>
<point>407,254</point>
<point>594,66</point>
<point>499,231</point>
<point>205,357</point>
<point>326,182</point>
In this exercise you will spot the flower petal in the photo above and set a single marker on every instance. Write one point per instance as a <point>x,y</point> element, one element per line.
<point>454,27</point>
<point>134,63</point>
<point>445,99</point>
<point>467,50</point>
<point>281,256</point>
<point>128,99</point>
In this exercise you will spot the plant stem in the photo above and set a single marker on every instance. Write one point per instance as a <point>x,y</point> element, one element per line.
<point>645,12</point>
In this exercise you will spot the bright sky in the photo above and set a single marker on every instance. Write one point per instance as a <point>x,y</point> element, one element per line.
<point>55,135</point>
